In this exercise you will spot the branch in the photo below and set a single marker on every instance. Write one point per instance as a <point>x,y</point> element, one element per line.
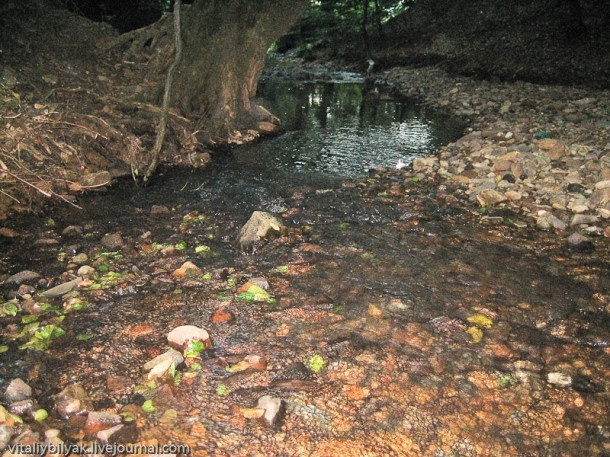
<point>168,85</point>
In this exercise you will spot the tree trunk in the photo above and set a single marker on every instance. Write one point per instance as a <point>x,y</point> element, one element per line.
<point>225,43</point>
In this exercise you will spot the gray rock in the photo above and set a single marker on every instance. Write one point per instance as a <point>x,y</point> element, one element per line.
<point>113,241</point>
<point>577,241</point>
<point>174,356</point>
<point>17,390</point>
<point>424,163</point>
<point>258,227</point>
<point>23,277</point>
<point>6,434</point>
<point>583,219</point>
<point>23,407</point>
<point>547,221</point>
<point>180,337</point>
<point>63,289</point>
<point>72,231</point>
<point>272,407</point>
<point>72,401</point>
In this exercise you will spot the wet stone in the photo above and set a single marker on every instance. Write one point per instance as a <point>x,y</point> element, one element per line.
<point>180,337</point>
<point>258,227</point>
<point>159,211</point>
<point>17,390</point>
<point>72,231</point>
<point>23,407</point>
<point>547,221</point>
<point>272,407</point>
<point>23,277</point>
<point>72,401</point>
<point>86,271</point>
<point>97,421</point>
<point>113,241</point>
<point>559,379</point>
<point>80,259</point>
<point>63,289</point>
<point>580,242</point>
<point>171,357</point>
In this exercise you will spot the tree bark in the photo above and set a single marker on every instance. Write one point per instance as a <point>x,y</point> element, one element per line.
<point>225,44</point>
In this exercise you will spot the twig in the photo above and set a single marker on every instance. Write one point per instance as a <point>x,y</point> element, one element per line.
<point>168,85</point>
<point>9,196</point>
<point>43,192</point>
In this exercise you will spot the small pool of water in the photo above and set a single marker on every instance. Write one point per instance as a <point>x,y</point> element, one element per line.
<point>346,128</point>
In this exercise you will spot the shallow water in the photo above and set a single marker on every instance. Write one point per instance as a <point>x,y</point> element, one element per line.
<point>381,287</point>
<point>345,128</point>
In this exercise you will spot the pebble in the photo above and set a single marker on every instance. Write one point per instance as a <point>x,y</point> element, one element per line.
<point>80,259</point>
<point>86,271</point>
<point>72,231</point>
<point>258,227</point>
<point>187,269</point>
<point>72,401</point>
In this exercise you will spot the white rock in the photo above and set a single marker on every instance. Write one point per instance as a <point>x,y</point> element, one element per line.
<point>17,390</point>
<point>559,379</point>
<point>272,407</point>
<point>180,337</point>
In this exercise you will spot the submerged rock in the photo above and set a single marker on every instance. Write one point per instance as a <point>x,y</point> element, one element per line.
<point>17,390</point>
<point>272,407</point>
<point>23,277</point>
<point>113,241</point>
<point>63,289</point>
<point>158,366</point>
<point>72,401</point>
<point>577,241</point>
<point>187,269</point>
<point>258,227</point>
<point>180,337</point>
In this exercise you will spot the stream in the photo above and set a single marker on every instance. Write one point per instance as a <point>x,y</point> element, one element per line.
<point>438,335</point>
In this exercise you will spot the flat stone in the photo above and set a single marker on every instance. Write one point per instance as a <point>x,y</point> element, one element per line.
<point>554,149</point>
<point>603,184</point>
<point>258,227</point>
<point>17,390</point>
<point>424,163</point>
<point>180,337</point>
<point>63,289</point>
<point>174,356</point>
<point>23,277</point>
<point>583,219</point>
<point>23,407</point>
<point>101,420</point>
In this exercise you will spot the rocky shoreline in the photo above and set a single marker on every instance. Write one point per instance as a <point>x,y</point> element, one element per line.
<point>541,150</point>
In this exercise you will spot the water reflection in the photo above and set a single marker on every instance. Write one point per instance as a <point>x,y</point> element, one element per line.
<point>341,129</point>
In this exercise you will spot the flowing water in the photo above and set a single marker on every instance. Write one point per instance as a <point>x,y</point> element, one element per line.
<point>391,292</point>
